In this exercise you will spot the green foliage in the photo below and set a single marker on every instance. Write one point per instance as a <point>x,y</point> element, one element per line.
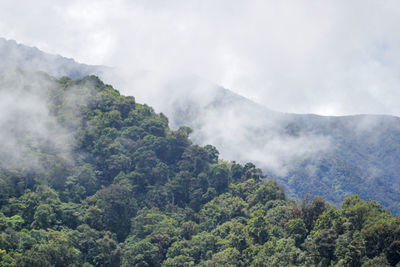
<point>142,253</point>
<point>221,209</point>
<point>132,192</point>
<point>296,229</point>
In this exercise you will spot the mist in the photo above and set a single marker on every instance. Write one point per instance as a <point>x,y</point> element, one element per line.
<point>239,128</point>
<point>336,58</point>
<point>331,58</point>
<point>34,131</point>
<point>25,120</point>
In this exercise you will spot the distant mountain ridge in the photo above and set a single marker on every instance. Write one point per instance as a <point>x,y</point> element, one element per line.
<point>13,54</point>
<point>331,156</point>
<point>328,156</point>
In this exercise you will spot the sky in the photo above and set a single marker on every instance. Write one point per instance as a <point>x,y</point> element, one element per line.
<point>323,57</point>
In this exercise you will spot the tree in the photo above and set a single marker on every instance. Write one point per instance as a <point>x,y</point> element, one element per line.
<point>140,254</point>
<point>257,228</point>
<point>44,217</point>
<point>383,237</point>
<point>58,251</point>
<point>266,192</point>
<point>311,211</point>
<point>219,177</point>
<point>118,206</point>
<point>322,246</point>
<point>228,257</point>
<point>189,229</point>
<point>297,230</point>
<point>212,152</point>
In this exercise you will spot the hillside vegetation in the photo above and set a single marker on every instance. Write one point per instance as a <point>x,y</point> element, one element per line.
<point>333,157</point>
<point>330,156</point>
<point>106,182</point>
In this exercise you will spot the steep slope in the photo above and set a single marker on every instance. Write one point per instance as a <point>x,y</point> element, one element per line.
<point>321,155</point>
<point>363,159</point>
<point>328,156</point>
<point>102,180</point>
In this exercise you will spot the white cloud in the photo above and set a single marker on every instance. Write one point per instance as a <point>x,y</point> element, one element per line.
<point>330,57</point>
<point>26,123</point>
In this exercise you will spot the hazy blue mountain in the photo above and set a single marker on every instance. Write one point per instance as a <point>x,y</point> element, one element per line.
<point>321,155</point>
<point>332,156</point>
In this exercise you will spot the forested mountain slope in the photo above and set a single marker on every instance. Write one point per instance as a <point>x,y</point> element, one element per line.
<point>322,155</point>
<point>364,158</point>
<point>89,177</point>
<point>328,156</point>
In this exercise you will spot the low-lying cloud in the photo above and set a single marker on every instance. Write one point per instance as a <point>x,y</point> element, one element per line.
<point>25,120</point>
<point>240,129</point>
<point>333,58</point>
<point>33,125</point>
<point>304,57</point>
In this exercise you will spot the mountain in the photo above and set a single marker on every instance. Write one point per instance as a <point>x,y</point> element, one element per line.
<point>321,155</point>
<point>363,158</point>
<point>13,54</point>
<point>90,177</point>
<point>329,156</point>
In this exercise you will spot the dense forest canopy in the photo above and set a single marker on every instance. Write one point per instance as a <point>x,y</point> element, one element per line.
<point>103,181</point>
<point>329,156</point>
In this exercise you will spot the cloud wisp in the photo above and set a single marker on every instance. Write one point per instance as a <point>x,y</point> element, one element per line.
<point>39,120</point>
<point>240,129</point>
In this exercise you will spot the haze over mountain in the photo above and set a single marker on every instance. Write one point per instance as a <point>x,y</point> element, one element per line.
<point>93,178</point>
<point>199,133</point>
<point>328,156</point>
<point>321,155</point>
<point>13,54</point>
<point>335,58</point>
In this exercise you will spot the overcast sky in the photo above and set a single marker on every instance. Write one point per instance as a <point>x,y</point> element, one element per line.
<point>324,57</point>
